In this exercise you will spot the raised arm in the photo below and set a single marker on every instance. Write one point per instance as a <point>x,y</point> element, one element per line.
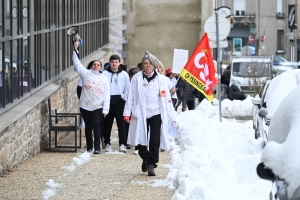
<point>77,64</point>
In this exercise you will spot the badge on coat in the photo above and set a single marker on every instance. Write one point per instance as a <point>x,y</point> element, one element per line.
<point>163,93</point>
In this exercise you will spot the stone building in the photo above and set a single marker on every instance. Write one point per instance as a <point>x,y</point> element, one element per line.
<point>34,44</point>
<point>272,24</point>
<point>35,64</point>
<point>160,26</point>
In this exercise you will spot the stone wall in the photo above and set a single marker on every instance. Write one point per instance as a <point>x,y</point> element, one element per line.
<point>24,129</point>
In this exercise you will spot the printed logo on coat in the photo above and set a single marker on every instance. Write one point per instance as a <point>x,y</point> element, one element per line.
<point>163,93</point>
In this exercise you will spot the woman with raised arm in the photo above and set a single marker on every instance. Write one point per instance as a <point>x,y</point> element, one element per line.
<point>94,99</point>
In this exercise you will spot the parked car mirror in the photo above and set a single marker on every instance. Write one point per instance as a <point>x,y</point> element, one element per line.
<point>263,113</point>
<point>256,101</point>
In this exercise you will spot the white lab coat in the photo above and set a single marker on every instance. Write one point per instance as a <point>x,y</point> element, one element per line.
<point>136,108</point>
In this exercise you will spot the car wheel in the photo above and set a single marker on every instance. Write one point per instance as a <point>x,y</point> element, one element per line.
<point>256,132</point>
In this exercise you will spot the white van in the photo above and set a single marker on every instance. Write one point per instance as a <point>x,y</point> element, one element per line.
<point>248,74</point>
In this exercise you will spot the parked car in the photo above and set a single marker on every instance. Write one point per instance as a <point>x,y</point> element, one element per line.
<point>260,113</point>
<point>281,69</point>
<point>248,74</point>
<point>280,61</point>
<point>280,157</point>
<point>269,98</point>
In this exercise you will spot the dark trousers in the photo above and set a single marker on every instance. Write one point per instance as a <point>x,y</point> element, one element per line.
<point>152,155</point>
<point>179,101</point>
<point>92,121</point>
<point>190,104</point>
<point>115,111</point>
<point>127,129</point>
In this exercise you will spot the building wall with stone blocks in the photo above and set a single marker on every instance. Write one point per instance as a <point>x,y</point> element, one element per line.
<point>24,128</point>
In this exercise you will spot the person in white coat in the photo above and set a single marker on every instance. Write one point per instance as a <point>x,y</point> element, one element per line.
<point>150,106</point>
<point>94,99</point>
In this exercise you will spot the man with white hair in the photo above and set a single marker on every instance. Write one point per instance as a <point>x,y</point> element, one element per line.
<point>150,106</point>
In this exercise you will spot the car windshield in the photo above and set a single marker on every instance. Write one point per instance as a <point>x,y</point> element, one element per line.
<point>280,59</point>
<point>251,69</point>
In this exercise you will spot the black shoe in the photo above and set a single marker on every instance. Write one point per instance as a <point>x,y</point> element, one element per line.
<point>90,150</point>
<point>144,166</point>
<point>128,146</point>
<point>96,152</point>
<point>150,169</point>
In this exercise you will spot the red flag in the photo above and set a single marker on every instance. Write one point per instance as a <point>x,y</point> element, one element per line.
<point>199,70</point>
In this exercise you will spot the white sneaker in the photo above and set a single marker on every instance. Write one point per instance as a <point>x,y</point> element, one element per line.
<point>108,148</point>
<point>136,152</point>
<point>122,148</point>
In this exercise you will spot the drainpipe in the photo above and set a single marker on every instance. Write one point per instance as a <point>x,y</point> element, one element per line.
<point>296,34</point>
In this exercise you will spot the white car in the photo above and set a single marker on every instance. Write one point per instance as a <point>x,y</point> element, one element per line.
<point>282,62</point>
<point>280,157</point>
<point>260,113</point>
<point>268,100</point>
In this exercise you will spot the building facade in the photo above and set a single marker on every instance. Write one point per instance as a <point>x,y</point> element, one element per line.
<point>271,24</point>
<point>160,26</point>
<point>35,60</point>
<point>35,64</point>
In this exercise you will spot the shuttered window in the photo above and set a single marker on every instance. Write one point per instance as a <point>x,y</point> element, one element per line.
<point>280,40</point>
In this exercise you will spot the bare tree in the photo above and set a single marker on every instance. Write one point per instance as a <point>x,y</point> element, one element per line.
<point>255,74</point>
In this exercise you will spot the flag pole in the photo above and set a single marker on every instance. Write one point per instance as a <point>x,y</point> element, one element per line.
<point>218,65</point>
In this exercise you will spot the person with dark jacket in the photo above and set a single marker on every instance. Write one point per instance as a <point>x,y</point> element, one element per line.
<point>225,80</point>
<point>178,92</point>
<point>187,93</point>
<point>119,86</point>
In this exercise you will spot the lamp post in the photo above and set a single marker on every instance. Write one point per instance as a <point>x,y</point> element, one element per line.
<point>218,64</point>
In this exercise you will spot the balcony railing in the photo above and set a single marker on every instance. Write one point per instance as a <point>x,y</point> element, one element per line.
<point>280,15</point>
<point>242,14</point>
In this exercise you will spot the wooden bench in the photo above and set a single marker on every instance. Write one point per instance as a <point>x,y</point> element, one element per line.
<point>63,122</point>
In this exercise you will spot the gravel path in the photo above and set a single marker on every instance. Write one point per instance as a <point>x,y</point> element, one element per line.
<point>106,176</point>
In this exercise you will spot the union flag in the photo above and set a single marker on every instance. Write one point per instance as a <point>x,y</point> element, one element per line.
<point>199,70</point>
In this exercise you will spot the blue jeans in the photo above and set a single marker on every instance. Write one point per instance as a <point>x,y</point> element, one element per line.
<point>174,101</point>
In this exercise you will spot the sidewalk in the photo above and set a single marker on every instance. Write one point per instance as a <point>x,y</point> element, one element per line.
<point>105,176</point>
